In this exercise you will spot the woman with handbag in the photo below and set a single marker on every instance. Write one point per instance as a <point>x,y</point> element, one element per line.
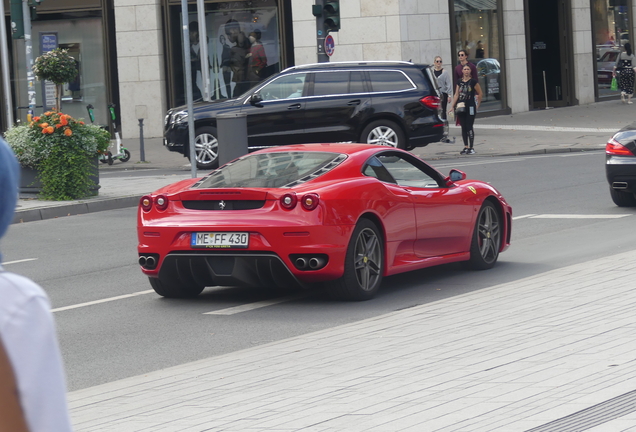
<point>466,101</point>
<point>626,66</point>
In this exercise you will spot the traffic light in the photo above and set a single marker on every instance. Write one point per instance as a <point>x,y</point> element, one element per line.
<point>17,20</point>
<point>331,13</point>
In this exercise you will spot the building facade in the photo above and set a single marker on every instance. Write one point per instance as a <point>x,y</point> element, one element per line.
<point>529,53</point>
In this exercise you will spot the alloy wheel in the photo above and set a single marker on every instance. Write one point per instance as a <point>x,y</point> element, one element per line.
<point>383,135</point>
<point>206,148</point>
<point>367,259</point>
<point>489,234</point>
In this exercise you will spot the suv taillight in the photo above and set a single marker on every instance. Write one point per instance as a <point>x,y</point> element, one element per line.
<point>431,102</point>
<point>615,148</point>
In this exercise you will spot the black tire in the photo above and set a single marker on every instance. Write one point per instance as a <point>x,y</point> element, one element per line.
<point>171,289</point>
<point>126,157</point>
<point>364,265</point>
<point>486,242</point>
<point>384,132</point>
<point>206,147</point>
<point>622,199</point>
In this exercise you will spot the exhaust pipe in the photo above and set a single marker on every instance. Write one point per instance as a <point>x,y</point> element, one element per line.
<point>619,185</point>
<point>301,263</point>
<point>150,262</point>
<point>316,263</point>
<point>142,261</point>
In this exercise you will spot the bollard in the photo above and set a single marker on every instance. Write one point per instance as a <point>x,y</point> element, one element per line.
<point>142,152</point>
<point>232,130</point>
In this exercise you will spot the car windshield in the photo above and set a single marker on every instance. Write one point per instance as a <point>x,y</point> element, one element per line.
<point>272,170</point>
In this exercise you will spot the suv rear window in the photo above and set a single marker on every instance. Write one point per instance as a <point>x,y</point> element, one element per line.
<point>337,83</point>
<point>388,81</point>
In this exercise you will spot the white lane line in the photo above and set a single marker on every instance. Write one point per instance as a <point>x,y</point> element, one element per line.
<point>102,301</point>
<point>569,216</point>
<point>19,261</point>
<point>256,305</point>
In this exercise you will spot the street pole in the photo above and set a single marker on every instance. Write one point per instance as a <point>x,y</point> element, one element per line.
<point>321,32</point>
<point>203,50</point>
<point>188,79</point>
<point>6,78</point>
<point>28,47</point>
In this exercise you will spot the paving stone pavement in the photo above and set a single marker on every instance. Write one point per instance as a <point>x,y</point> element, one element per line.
<point>512,357</point>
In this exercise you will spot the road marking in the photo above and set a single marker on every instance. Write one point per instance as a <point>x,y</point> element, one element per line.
<point>19,261</point>
<point>102,301</point>
<point>256,305</point>
<point>569,216</point>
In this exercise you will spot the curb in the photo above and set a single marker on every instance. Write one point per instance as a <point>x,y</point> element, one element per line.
<point>75,208</point>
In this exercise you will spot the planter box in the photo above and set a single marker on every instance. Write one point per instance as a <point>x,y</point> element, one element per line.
<point>30,184</point>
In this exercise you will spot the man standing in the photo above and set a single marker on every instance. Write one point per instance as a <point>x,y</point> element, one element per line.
<point>463,60</point>
<point>27,330</point>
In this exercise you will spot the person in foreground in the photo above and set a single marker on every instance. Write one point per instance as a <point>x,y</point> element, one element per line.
<point>27,334</point>
<point>466,101</point>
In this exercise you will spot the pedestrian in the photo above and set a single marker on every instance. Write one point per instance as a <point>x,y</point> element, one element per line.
<point>463,61</point>
<point>625,67</point>
<point>466,101</point>
<point>445,88</point>
<point>27,330</point>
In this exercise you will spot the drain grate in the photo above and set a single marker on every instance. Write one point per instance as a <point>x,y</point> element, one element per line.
<point>592,416</point>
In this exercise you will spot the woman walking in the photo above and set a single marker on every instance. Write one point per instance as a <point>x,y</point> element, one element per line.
<point>445,88</point>
<point>626,68</point>
<point>466,101</point>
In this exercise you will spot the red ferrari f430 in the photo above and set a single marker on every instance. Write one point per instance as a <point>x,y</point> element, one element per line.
<point>344,215</point>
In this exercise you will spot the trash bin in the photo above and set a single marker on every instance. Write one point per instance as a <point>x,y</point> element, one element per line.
<point>232,130</point>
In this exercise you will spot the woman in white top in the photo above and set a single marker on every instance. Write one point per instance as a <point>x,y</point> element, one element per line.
<point>445,88</point>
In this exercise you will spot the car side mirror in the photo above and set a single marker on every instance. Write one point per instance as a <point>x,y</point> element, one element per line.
<point>455,175</point>
<point>256,100</point>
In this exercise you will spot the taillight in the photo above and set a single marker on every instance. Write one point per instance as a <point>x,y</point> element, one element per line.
<point>288,201</point>
<point>431,102</point>
<point>146,203</point>
<point>310,201</point>
<point>162,202</point>
<point>613,147</point>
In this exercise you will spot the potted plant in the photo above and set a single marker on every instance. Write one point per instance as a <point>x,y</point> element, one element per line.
<point>58,67</point>
<point>62,151</point>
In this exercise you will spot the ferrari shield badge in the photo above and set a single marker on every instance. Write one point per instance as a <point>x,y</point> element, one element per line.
<point>472,189</point>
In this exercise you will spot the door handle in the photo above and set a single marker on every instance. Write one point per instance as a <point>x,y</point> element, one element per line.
<point>294,107</point>
<point>354,102</point>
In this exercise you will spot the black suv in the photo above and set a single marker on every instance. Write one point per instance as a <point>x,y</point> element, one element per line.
<point>387,103</point>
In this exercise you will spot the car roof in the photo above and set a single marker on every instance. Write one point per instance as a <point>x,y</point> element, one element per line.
<point>346,148</point>
<point>353,64</point>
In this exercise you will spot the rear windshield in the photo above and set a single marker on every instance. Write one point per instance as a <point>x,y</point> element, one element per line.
<point>272,170</point>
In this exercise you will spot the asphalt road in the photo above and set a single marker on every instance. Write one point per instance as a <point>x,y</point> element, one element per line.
<point>563,215</point>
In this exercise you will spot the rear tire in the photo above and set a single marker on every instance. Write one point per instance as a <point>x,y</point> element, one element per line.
<point>622,199</point>
<point>174,290</point>
<point>364,265</point>
<point>126,156</point>
<point>384,132</point>
<point>206,147</point>
<point>484,248</point>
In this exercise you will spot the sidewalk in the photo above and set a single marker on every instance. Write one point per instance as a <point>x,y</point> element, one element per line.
<point>578,128</point>
<point>551,352</point>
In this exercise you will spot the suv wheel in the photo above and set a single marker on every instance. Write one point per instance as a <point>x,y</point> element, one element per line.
<point>384,132</point>
<point>206,147</point>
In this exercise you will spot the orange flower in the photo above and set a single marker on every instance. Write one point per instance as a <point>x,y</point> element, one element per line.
<point>58,126</point>
<point>36,119</point>
<point>63,121</point>
<point>50,129</point>
<point>48,113</point>
<point>81,122</point>
<point>44,125</point>
<point>68,132</point>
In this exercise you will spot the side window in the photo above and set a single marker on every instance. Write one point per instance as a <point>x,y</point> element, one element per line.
<point>374,168</point>
<point>407,174</point>
<point>388,81</point>
<point>331,83</point>
<point>356,83</point>
<point>286,87</point>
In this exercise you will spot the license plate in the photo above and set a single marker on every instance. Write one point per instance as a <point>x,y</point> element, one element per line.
<point>220,240</point>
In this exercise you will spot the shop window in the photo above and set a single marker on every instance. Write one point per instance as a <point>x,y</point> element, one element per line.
<point>611,32</point>
<point>477,32</point>
<point>243,48</point>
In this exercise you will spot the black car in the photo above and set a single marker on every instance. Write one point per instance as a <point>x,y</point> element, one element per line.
<point>620,166</point>
<point>387,103</point>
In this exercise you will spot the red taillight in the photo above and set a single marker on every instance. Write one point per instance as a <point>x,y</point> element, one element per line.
<point>431,102</point>
<point>310,201</point>
<point>288,201</point>
<point>161,202</point>
<point>146,203</point>
<point>613,147</point>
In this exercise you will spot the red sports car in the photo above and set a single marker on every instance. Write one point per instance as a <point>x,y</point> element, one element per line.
<point>341,214</point>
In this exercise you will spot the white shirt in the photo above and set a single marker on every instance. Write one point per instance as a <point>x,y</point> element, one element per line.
<point>28,333</point>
